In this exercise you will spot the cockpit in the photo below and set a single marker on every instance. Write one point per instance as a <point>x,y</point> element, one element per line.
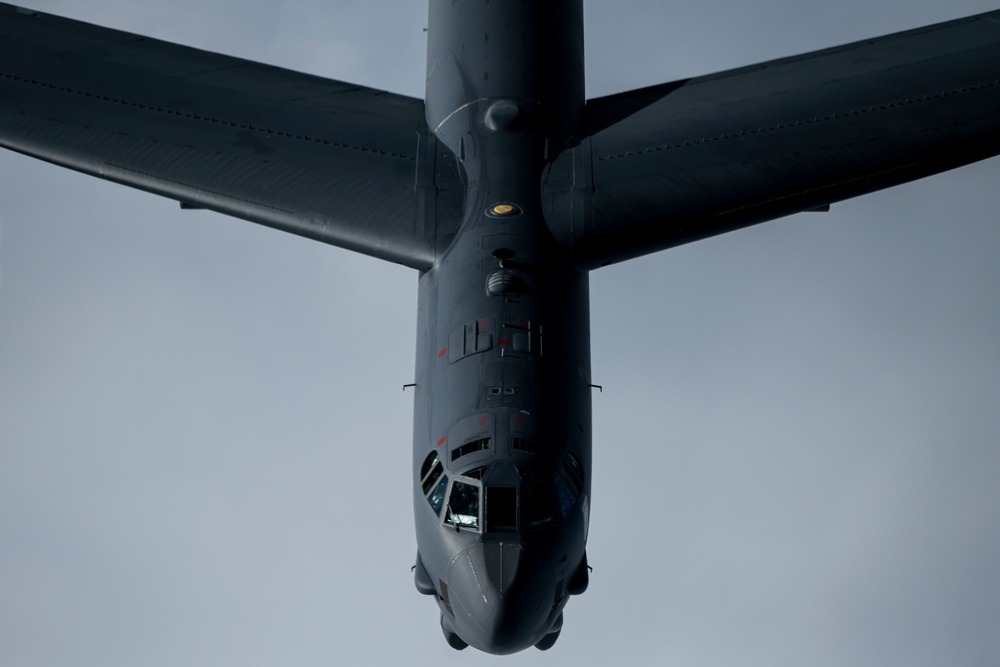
<point>509,548</point>
<point>501,497</point>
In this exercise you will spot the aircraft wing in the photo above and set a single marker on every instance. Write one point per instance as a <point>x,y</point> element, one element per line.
<point>331,161</point>
<point>662,166</point>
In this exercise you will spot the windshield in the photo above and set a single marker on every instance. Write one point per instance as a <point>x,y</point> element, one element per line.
<point>436,499</point>
<point>501,509</point>
<point>569,484</point>
<point>463,506</point>
<point>539,504</point>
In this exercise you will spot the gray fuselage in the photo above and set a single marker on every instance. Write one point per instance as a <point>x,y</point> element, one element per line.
<point>502,425</point>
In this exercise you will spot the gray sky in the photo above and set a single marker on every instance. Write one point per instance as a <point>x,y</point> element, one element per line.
<point>204,448</point>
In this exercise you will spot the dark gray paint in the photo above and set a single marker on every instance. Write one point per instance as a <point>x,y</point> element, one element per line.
<point>517,67</point>
<point>327,160</point>
<point>682,161</point>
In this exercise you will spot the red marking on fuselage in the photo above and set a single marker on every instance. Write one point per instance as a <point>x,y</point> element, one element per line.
<point>503,341</point>
<point>443,351</point>
<point>441,441</point>
<point>482,422</point>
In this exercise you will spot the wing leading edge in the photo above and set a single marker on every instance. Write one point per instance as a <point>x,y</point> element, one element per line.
<point>331,161</point>
<point>356,167</point>
<point>666,165</point>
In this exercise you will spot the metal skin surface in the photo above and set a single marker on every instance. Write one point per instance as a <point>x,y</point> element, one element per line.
<point>503,195</point>
<point>514,364</point>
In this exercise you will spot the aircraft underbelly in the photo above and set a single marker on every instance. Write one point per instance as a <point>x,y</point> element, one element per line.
<point>503,405</point>
<point>502,414</point>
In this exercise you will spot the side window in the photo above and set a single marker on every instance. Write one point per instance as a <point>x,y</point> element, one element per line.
<point>463,506</point>
<point>575,470</point>
<point>436,499</point>
<point>432,478</point>
<point>430,471</point>
<point>569,484</point>
<point>539,504</point>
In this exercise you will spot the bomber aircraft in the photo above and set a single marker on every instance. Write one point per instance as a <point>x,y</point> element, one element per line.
<point>503,189</point>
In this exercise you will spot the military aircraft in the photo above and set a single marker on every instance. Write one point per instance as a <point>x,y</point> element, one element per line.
<point>483,420</point>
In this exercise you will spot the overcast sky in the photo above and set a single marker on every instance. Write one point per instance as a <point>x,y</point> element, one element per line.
<point>205,449</point>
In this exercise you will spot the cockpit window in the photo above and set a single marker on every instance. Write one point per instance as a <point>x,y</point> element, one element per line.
<point>539,504</point>
<point>463,506</point>
<point>501,509</point>
<point>569,483</point>
<point>573,467</point>
<point>469,447</point>
<point>523,472</point>
<point>431,459</point>
<point>475,473</point>
<point>527,446</point>
<point>432,477</point>
<point>430,472</point>
<point>436,499</point>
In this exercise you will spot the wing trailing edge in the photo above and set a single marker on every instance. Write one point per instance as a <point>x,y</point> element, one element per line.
<point>331,161</point>
<point>670,164</point>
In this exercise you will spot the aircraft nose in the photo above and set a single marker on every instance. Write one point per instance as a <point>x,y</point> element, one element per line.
<point>501,597</point>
